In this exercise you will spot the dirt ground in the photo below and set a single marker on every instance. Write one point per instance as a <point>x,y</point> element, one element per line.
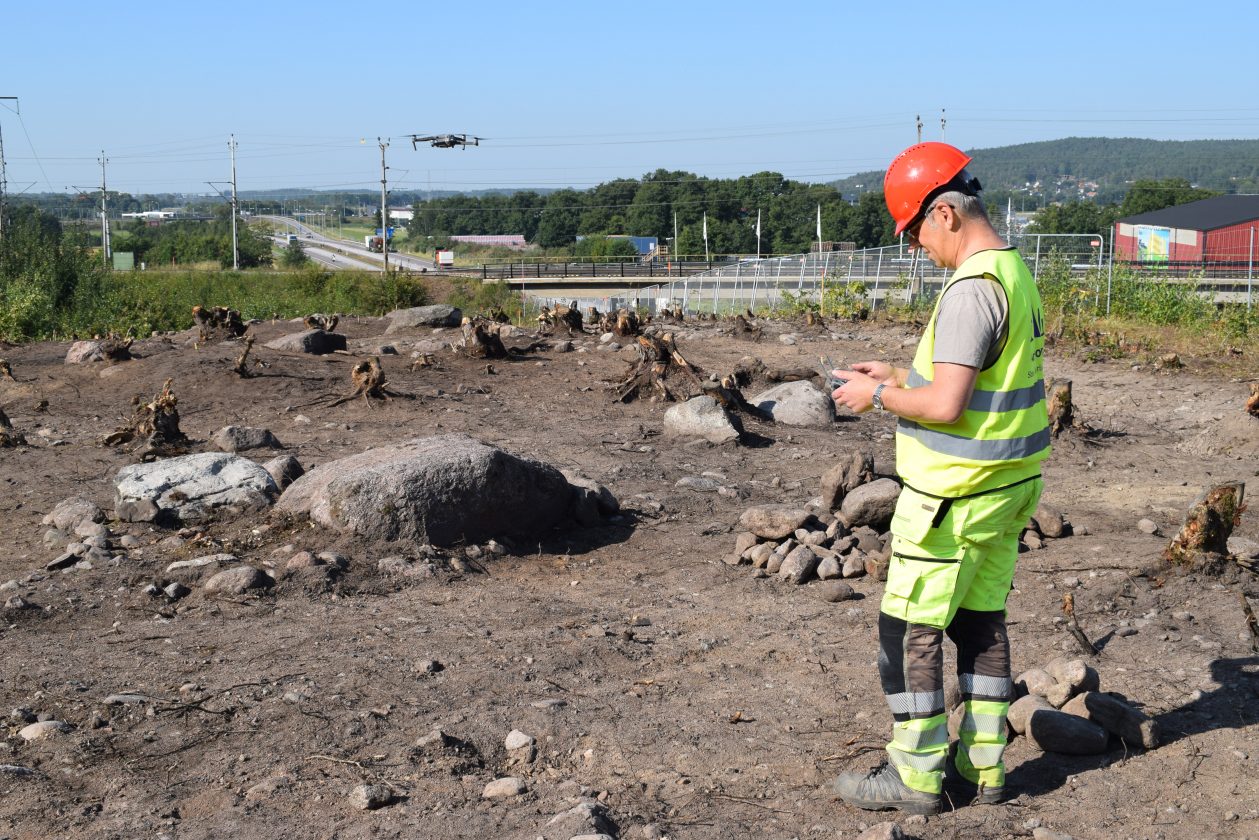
<point>694,699</point>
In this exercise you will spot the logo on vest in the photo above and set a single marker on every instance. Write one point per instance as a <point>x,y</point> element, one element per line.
<point>1038,324</point>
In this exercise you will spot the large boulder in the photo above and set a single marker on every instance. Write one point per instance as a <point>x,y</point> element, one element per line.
<point>192,488</point>
<point>315,342</point>
<point>797,404</point>
<point>81,352</point>
<point>871,504</point>
<point>441,490</point>
<point>437,315</point>
<point>700,417</point>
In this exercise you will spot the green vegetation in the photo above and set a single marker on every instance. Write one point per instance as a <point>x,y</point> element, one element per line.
<point>647,207</point>
<point>1062,167</point>
<point>294,256</point>
<point>475,297</point>
<point>50,289</point>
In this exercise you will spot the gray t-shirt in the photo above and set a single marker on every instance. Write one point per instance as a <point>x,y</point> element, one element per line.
<point>972,323</point>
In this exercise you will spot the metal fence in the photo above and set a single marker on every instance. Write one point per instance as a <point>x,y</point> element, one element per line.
<point>892,274</point>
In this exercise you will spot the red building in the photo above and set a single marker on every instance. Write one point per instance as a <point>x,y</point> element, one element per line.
<point>1220,232</point>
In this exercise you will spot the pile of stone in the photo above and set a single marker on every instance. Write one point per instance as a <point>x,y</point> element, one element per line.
<point>1063,710</point>
<point>841,534</point>
<point>77,526</point>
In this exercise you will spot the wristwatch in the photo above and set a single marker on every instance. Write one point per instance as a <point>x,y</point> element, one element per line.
<point>877,398</point>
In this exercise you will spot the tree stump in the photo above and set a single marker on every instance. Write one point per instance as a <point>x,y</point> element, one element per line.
<point>481,343</point>
<point>368,379</point>
<point>661,372</point>
<point>1061,409</point>
<point>9,437</point>
<point>1252,404</point>
<point>156,423</point>
<point>1202,544</point>
<point>6,372</point>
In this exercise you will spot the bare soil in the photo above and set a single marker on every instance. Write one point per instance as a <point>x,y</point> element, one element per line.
<point>695,696</point>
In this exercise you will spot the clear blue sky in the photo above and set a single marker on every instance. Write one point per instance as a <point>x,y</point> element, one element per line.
<point>571,94</point>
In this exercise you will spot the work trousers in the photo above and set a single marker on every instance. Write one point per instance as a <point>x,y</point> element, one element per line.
<point>950,573</point>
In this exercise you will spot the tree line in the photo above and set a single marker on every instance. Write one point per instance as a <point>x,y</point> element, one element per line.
<point>1144,196</point>
<point>649,206</point>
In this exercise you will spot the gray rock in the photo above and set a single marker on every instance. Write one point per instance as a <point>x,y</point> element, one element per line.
<point>1021,711</point>
<point>436,315</point>
<point>867,539</point>
<point>70,513</point>
<point>314,342</point>
<point>871,504</point>
<point>882,831</point>
<point>1042,833</point>
<point>828,568</point>
<point>760,554</point>
<point>799,565</point>
<point>773,522</point>
<point>700,417</point>
<point>127,700</point>
<point>698,483</point>
<point>81,352</point>
<point>584,819</point>
<point>176,590</point>
<point>1053,731</point>
<point>1049,521</point>
<point>518,740</point>
<point>16,771</point>
<point>798,403</point>
<point>606,502</point>
<point>841,479</point>
<point>834,591</point>
<point>441,490</point>
<point>43,729</point>
<point>1073,676</point>
<point>854,565</point>
<point>91,531</point>
<point>1035,681</point>
<point>1147,526</point>
<point>198,562</point>
<point>371,797</point>
<point>501,788</point>
<point>192,488</point>
<point>743,541</point>
<point>237,581</point>
<point>241,438</point>
<point>1128,723</point>
<point>284,470</point>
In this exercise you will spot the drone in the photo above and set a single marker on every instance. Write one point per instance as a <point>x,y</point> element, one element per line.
<point>445,141</point>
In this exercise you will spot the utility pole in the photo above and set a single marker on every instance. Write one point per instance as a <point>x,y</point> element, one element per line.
<point>384,206</point>
<point>231,144</point>
<point>4,184</point>
<point>942,124</point>
<point>918,118</point>
<point>104,212</point>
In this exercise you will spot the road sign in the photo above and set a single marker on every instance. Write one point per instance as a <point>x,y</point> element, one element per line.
<point>390,232</point>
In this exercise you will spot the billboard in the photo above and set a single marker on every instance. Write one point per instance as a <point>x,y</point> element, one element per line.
<point>1153,244</point>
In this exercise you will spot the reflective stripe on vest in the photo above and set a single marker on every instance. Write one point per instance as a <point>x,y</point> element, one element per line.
<point>975,449</point>
<point>1015,400</point>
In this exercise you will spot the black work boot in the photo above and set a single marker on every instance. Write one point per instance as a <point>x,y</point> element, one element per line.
<point>965,792</point>
<point>881,789</point>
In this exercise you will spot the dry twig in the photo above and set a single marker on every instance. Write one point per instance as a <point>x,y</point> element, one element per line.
<point>1073,624</point>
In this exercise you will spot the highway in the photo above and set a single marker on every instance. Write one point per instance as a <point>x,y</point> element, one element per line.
<point>343,253</point>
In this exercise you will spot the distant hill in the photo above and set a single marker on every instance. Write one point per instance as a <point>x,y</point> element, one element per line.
<point>1100,168</point>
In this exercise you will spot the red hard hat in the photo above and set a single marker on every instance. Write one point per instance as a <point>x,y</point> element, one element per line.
<point>916,173</point>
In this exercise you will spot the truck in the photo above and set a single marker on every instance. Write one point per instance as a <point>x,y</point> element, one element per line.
<point>290,238</point>
<point>376,243</point>
<point>444,258</point>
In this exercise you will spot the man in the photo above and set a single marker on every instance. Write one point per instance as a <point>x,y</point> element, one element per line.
<point>971,432</point>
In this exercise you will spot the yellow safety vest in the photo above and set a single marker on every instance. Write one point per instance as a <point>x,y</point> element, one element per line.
<point>1003,434</point>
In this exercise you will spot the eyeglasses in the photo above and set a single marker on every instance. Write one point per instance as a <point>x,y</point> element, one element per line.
<point>913,229</point>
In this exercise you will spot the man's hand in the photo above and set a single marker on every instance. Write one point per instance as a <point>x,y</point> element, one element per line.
<point>857,392</point>
<point>880,371</point>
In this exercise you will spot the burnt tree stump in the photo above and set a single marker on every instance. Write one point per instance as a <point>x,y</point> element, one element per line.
<point>1202,544</point>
